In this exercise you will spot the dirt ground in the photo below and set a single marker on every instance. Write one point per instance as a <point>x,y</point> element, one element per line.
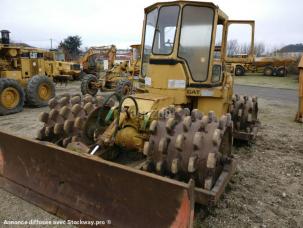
<point>266,190</point>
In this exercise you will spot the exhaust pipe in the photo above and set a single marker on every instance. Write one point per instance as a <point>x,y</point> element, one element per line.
<point>5,36</point>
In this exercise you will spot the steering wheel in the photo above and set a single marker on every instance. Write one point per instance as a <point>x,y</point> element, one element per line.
<point>133,100</point>
<point>169,43</point>
<point>112,100</point>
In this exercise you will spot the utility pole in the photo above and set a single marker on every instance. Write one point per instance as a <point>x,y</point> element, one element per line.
<point>51,40</point>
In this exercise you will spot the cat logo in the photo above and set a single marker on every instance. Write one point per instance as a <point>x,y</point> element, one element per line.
<point>193,92</point>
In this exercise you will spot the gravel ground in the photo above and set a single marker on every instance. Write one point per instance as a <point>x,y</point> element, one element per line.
<point>267,188</point>
<point>25,123</point>
<point>272,94</point>
<point>265,191</point>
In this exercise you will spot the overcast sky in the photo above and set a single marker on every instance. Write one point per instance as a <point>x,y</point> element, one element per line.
<point>103,22</point>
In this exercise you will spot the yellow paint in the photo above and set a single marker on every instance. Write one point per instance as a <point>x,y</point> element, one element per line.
<point>148,102</point>
<point>9,98</point>
<point>11,74</point>
<point>130,139</point>
<point>44,92</point>
<point>169,82</point>
<point>109,52</point>
<point>206,95</point>
<point>12,52</point>
<point>22,63</point>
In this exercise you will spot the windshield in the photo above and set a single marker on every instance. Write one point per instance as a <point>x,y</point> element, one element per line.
<point>195,40</point>
<point>166,30</point>
<point>151,21</point>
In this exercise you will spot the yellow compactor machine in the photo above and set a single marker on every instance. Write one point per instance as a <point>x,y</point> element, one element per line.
<point>142,160</point>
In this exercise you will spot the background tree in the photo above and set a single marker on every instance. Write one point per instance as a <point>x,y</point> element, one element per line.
<point>245,48</point>
<point>236,48</point>
<point>71,47</point>
<point>232,48</point>
<point>259,49</point>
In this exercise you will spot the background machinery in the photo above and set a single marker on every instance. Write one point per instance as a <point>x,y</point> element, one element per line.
<point>135,61</point>
<point>269,66</point>
<point>142,160</point>
<point>123,77</point>
<point>22,77</point>
<point>299,116</point>
<point>249,63</point>
<point>27,75</point>
<point>59,69</point>
<point>94,59</point>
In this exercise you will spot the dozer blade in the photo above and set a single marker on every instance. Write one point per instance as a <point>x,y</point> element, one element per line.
<point>75,186</point>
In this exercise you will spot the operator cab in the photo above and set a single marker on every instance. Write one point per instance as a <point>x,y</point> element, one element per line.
<point>184,46</point>
<point>182,33</point>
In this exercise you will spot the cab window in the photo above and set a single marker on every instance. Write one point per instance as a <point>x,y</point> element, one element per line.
<point>166,30</point>
<point>195,40</point>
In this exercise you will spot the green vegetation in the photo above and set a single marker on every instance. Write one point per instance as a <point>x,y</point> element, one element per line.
<point>71,47</point>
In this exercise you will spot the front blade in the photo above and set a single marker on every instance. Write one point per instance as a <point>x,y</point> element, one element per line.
<point>76,186</point>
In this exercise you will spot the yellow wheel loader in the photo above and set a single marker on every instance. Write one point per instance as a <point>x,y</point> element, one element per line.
<point>22,77</point>
<point>27,75</point>
<point>143,160</point>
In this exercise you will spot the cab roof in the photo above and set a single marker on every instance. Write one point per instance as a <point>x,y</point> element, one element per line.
<point>208,4</point>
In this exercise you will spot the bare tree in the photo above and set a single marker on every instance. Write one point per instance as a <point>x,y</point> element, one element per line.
<point>259,49</point>
<point>233,47</point>
<point>244,48</point>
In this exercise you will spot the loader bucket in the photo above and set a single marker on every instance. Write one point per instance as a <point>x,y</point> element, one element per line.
<point>75,186</point>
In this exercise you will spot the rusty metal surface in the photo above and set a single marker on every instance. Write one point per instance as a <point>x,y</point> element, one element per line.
<point>245,136</point>
<point>189,145</point>
<point>211,198</point>
<point>299,116</point>
<point>238,135</point>
<point>75,186</point>
<point>65,120</point>
<point>244,111</point>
